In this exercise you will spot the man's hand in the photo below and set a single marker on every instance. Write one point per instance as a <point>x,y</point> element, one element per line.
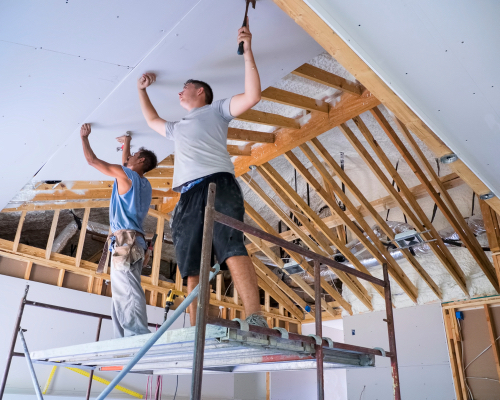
<point>85,130</point>
<point>245,36</point>
<point>145,80</point>
<point>124,139</point>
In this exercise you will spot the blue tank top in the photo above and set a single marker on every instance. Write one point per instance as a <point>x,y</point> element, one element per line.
<point>128,211</point>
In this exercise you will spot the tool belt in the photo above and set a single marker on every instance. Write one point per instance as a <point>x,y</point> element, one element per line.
<point>125,250</point>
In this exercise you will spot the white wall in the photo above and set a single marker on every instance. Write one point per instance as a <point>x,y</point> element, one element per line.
<point>301,385</point>
<point>424,366</point>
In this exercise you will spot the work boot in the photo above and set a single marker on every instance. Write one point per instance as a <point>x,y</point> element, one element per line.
<point>257,319</point>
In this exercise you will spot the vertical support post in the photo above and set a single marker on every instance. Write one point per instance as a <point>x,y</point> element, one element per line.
<point>392,334</point>
<point>81,240</point>
<point>493,335</point>
<point>50,241</point>
<point>204,295</point>
<point>91,376</point>
<point>18,232</point>
<point>319,330</point>
<point>13,341</point>
<point>36,386</point>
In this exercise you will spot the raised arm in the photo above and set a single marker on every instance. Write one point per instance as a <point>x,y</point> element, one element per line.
<point>114,170</point>
<point>245,101</point>
<point>125,141</point>
<point>152,118</point>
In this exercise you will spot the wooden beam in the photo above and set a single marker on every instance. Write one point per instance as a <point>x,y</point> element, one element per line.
<point>66,205</point>
<point>167,161</point>
<point>375,247</point>
<point>493,337</point>
<point>492,227</point>
<point>95,185</point>
<point>450,211</point>
<point>308,211</point>
<point>245,151</point>
<point>316,144</point>
<point>52,234</point>
<point>319,75</point>
<point>160,173</point>
<point>81,239</point>
<point>27,272</point>
<point>438,247</point>
<point>264,118</point>
<point>155,266</point>
<point>245,135</point>
<point>327,38</point>
<point>277,295</point>
<point>311,245</point>
<point>18,231</point>
<point>295,100</point>
<point>60,277</point>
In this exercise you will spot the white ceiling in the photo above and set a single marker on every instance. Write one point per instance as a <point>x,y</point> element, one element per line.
<point>66,63</point>
<point>442,58</point>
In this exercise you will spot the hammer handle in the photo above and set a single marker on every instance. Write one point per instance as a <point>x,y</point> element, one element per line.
<point>240,46</point>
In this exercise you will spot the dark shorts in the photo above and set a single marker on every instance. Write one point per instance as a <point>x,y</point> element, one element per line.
<point>187,223</point>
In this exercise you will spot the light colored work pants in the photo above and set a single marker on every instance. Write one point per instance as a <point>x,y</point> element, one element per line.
<point>128,305</point>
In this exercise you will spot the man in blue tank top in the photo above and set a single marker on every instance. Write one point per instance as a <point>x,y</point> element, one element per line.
<point>128,207</point>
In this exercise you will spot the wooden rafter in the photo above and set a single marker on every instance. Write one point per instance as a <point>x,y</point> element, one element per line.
<point>438,247</point>
<point>17,238</point>
<point>449,210</point>
<point>309,243</point>
<point>81,239</point>
<point>265,118</point>
<point>52,233</point>
<point>317,221</point>
<point>375,247</point>
<point>326,37</point>
<point>327,78</point>
<point>234,150</point>
<point>95,185</point>
<point>245,135</point>
<point>293,99</point>
<point>492,227</point>
<point>316,144</point>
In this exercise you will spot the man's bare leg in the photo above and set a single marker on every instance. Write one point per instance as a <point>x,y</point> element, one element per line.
<point>245,281</point>
<point>192,281</point>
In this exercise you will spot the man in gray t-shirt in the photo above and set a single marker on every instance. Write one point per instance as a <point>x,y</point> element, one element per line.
<point>201,157</point>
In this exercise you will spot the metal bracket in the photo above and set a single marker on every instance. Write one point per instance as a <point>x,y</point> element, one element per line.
<point>244,326</point>
<point>330,342</point>
<point>381,350</point>
<point>319,340</point>
<point>283,331</point>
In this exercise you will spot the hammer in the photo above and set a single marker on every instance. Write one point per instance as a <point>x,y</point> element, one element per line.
<point>240,47</point>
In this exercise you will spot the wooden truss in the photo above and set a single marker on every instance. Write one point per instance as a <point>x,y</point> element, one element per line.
<point>324,236</point>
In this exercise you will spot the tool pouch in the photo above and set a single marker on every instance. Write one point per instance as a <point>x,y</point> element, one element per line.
<point>125,251</point>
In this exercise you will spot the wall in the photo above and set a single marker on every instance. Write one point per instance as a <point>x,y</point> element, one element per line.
<point>301,385</point>
<point>424,365</point>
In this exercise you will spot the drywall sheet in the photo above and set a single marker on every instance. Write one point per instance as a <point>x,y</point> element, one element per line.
<point>69,63</point>
<point>441,58</point>
<point>424,366</point>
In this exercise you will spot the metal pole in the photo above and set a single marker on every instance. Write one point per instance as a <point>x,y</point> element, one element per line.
<point>153,339</point>
<point>319,330</point>
<point>13,341</point>
<point>392,335</point>
<point>91,376</point>
<point>30,366</point>
<point>204,297</point>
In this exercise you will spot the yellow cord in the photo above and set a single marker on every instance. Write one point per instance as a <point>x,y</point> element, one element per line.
<point>49,379</point>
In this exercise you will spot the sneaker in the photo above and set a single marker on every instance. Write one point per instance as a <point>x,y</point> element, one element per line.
<point>257,319</point>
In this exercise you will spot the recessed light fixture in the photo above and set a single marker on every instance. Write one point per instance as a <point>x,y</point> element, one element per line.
<point>448,158</point>
<point>487,196</point>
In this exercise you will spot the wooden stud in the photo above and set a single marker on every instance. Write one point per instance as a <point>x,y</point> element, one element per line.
<point>267,306</point>
<point>294,100</point>
<point>239,150</point>
<point>245,135</point>
<point>52,234</point>
<point>447,314</point>
<point>178,279</point>
<point>81,240</point>
<point>18,232</point>
<point>27,272</point>
<point>492,227</point>
<point>218,287</point>
<point>90,284</point>
<point>438,247</point>
<point>155,266</point>
<point>60,277</point>
<point>268,386</point>
<point>264,118</point>
<point>319,75</point>
<point>373,213</point>
<point>351,282</point>
<point>493,336</point>
<point>449,210</point>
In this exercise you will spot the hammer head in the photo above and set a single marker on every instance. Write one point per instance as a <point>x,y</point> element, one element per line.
<point>252,2</point>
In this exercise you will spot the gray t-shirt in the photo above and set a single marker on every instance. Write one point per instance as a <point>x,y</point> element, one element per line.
<point>201,142</point>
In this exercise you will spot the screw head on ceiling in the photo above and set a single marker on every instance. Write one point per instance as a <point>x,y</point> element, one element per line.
<point>487,196</point>
<point>448,158</point>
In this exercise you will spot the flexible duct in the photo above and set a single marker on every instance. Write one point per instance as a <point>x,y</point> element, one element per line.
<point>64,237</point>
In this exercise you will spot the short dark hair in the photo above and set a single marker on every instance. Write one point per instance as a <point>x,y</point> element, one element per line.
<point>209,94</point>
<point>150,160</point>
